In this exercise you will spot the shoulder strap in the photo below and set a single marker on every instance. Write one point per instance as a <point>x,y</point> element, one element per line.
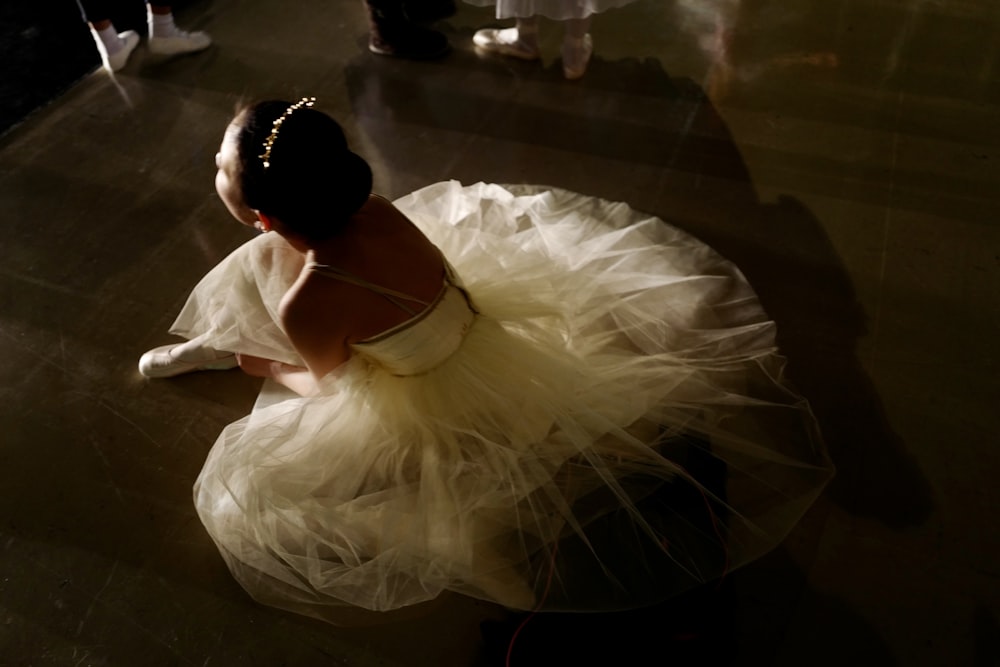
<point>392,296</point>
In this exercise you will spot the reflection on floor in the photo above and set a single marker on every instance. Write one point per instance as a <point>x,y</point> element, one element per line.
<point>844,154</point>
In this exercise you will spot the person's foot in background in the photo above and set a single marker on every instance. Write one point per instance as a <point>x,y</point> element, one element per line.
<point>392,31</point>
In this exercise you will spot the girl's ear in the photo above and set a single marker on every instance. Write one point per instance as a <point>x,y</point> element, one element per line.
<point>264,222</point>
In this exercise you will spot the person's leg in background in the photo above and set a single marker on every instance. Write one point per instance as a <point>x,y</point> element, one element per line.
<point>393,30</point>
<point>577,47</point>
<point>521,41</point>
<point>165,38</point>
<point>115,47</point>
<point>422,11</point>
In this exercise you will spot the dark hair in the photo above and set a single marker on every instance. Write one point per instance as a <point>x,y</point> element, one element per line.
<point>314,183</point>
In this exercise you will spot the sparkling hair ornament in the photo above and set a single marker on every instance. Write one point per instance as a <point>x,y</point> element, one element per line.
<point>276,126</point>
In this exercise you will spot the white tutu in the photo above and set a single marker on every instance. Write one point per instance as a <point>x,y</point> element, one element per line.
<point>612,427</point>
<point>553,9</point>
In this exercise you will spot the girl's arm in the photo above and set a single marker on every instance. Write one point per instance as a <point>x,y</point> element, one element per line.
<point>316,334</point>
<point>320,346</point>
<point>298,379</point>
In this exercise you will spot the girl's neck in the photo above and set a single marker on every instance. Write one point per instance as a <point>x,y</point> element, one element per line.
<point>334,247</point>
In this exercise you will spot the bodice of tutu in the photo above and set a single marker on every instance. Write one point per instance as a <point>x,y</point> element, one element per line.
<point>426,340</point>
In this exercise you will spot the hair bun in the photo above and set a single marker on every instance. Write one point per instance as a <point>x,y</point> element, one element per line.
<point>313,182</point>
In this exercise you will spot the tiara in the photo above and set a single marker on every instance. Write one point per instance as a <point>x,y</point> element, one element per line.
<point>276,126</point>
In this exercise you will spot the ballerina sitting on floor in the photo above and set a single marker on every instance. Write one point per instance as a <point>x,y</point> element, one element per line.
<point>514,393</point>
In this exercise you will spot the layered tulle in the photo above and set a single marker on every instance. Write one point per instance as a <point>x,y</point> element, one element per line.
<point>609,426</point>
<point>553,9</point>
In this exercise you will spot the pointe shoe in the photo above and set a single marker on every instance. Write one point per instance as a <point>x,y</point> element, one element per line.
<point>161,362</point>
<point>113,62</point>
<point>576,52</point>
<point>179,43</point>
<point>506,42</point>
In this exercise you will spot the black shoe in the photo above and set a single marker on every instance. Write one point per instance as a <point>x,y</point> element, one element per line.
<point>392,33</point>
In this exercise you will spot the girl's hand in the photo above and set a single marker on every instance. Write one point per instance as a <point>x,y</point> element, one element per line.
<point>299,380</point>
<point>255,366</point>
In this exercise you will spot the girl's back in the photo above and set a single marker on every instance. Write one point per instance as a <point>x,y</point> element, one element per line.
<point>380,247</point>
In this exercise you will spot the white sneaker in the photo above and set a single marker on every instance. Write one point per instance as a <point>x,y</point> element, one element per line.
<point>506,42</point>
<point>181,42</point>
<point>160,362</point>
<point>115,61</point>
<point>576,52</point>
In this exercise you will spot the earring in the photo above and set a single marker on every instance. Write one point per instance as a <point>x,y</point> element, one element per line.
<point>261,227</point>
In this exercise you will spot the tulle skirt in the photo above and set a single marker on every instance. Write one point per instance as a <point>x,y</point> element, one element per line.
<point>615,428</point>
<point>553,9</point>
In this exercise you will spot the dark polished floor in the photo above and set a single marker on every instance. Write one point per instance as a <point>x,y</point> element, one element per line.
<point>845,154</point>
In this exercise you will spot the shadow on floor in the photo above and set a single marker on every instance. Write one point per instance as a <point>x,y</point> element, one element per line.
<point>648,117</point>
<point>754,617</point>
<point>695,628</point>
